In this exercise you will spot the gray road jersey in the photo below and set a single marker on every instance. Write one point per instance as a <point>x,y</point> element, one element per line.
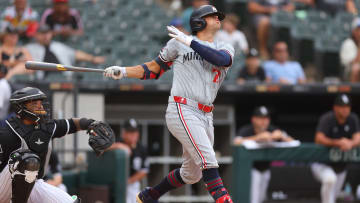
<point>195,78</point>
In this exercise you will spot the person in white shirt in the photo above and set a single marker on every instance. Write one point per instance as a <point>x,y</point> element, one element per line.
<point>5,93</point>
<point>230,34</point>
<point>350,54</point>
<point>20,16</point>
<point>47,50</point>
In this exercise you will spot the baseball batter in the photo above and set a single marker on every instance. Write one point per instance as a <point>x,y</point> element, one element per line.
<point>200,65</point>
<point>25,147</point>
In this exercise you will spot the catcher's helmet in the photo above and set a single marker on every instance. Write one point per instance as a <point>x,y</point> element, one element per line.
<point>197,22</point>
<point>20,97</point>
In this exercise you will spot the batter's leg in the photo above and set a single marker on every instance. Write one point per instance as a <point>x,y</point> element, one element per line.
<point>195,132</point>
<point>211,177</point>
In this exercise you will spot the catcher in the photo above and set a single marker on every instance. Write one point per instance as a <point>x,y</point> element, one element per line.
<point>25,147</point>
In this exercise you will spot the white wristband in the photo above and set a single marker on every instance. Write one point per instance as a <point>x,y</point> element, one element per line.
<point>123,71</point>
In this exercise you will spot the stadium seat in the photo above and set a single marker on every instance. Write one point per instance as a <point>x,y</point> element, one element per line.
<point>344,17</point>
<point>301,30</point>
<point>282,19</point>
<point>328,43</point>
<point>316,16</point>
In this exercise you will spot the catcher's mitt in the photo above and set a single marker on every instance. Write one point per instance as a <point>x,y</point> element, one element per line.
<point>101,136</point>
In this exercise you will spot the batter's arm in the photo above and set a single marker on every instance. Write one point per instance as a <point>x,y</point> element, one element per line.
<point>138,71</point>
<point>149,70</point>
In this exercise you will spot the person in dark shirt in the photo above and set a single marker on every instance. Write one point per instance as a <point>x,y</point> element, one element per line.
<point>338,128</point>
<point>260,130</point>
<point>252,72</point>
<point>62,19</point>
<point>139,166</point>
<point>25,145</point>
<point>332,7</point>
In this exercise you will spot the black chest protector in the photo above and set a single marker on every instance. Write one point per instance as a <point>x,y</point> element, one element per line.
<point>37,139</point>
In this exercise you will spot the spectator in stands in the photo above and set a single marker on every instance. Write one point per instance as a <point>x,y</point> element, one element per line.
<point>46,50</point>
<point>5,93</point>
<point>13,56</point>
<point>338,128</point>
<point>252,72</point>
<point>230,34</point>
<point>281,70</point>
<point>53,176</point>
<point>350,54</point>
<point>178,23</point>
<point>332,7</point>
<point>262,9</point>
<point>62,19</point>
<point>260,130</point>
<point>187,13</point>
<point>21,17</point>
<point>139,166</point>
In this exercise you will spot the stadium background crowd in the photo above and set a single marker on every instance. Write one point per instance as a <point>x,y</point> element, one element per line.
<point>281,42</point>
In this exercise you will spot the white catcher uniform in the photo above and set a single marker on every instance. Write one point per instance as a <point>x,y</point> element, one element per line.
<point>189,113</point>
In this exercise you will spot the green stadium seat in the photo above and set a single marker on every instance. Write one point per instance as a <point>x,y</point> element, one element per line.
<point>344,17</point>
<point>342,30</point>
<point>328,43</point>
<point>282,19</point>
<point>315,16</point>
<point>301,30</point>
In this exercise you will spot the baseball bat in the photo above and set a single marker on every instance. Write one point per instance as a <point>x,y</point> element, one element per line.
<point>35,65</point>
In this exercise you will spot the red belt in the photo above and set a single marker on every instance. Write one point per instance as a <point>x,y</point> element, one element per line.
<point>202,107</point>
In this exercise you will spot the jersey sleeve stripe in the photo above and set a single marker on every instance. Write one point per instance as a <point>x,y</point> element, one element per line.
<point>163,65</point>
<point>54,129</point>
<point>68,126</point>
<point>162,58</point>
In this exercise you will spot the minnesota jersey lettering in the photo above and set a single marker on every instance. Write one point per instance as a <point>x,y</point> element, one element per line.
<point>191,56</point>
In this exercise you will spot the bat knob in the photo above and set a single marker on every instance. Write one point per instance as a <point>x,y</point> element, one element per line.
<point>117,72</point>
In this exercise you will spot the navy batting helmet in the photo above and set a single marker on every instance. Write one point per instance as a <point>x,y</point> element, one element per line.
<point>197,22</point>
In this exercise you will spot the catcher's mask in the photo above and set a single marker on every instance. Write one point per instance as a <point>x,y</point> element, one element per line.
<point>31,103</point>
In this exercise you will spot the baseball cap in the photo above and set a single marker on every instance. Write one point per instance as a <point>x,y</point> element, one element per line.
<point>261,111</point>
<point>355,23</point>
<point>131,125</point>
<point>252,53</point>
<point>342,100</point>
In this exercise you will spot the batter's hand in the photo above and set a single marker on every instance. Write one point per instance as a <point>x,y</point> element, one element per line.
<point>115,72</point>
<point>180,36</point>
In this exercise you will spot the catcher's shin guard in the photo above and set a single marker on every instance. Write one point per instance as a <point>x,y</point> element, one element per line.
<point>24,167</point>
<point>144,197</point>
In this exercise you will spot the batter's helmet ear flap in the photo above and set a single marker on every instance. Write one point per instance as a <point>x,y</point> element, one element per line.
<point>197,24</point>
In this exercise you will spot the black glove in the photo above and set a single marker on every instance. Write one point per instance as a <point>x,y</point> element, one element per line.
<point>101,136</point>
